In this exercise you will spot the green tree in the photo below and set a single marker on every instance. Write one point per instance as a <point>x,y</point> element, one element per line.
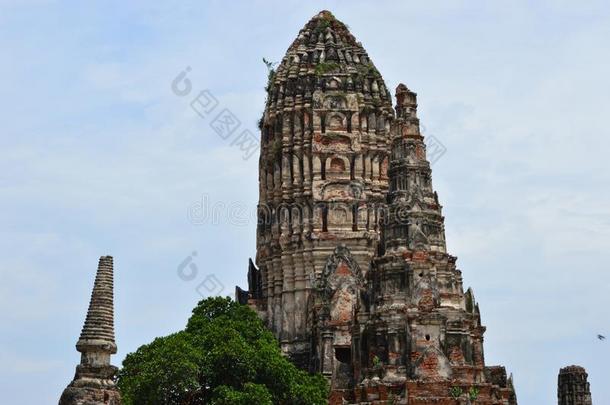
<point>224,356</point>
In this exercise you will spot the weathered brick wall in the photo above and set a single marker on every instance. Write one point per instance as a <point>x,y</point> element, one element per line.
<point>573,387</point>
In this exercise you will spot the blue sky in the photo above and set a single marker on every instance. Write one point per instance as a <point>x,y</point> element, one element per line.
<point>100,157</point>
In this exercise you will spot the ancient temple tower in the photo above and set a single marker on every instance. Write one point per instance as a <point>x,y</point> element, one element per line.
<point>94,380</point>
<point>573,387</point>
<point>417,330</point>
<point>324,153</point>
<point>352,273</point>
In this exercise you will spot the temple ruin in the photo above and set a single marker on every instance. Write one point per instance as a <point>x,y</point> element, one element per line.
<point>352,273</point>
<point>573,387</point>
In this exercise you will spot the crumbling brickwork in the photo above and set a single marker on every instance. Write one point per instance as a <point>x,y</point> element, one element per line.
<point>324,153</point>
<point>352,273</point>
<point>573,387</point>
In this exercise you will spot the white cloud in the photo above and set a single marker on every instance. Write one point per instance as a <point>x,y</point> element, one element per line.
<point>99,157</point>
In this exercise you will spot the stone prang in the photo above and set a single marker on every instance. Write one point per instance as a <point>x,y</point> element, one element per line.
<point>351,272</point>
<point>573,387</point>
<point>94,382</point>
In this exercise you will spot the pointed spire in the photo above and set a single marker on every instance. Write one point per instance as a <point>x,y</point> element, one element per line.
<point>94,381</point>
<point>98,331</point>
<point>406,102</point>
<point>469,299</point>
<point>415,220</point>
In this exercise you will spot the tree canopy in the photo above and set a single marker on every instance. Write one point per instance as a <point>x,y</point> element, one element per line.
<point>224,356</point>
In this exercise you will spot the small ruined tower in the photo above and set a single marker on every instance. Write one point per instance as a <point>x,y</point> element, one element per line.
<point>572,386</point>
<point>94,379</point>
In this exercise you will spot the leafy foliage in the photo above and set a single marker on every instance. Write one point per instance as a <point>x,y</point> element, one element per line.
<point>326,67</point>
<point>276,151</point>
<point>224,356</point>
<point>270,65</point>
<point>456,392</point>
<point>473,393</point>
<point>323,24</point>
<point>368,70</point>
<point>270,73</point>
